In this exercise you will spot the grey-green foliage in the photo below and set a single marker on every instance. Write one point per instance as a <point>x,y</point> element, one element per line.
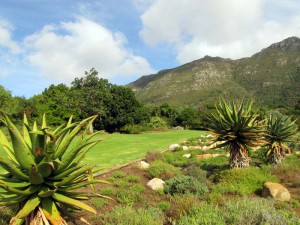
<point>130,216</point>
<point>248,211</point>
<point>186,185</point>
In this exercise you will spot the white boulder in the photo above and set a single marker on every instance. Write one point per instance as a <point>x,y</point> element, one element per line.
<point>156,184</point>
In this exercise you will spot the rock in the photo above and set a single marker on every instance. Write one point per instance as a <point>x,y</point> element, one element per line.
<point>156,184</point>
<point>143,165</point>
<point>276,191</point>
<point>207,156</point>
<point>178,128</point>
<point>297,153</point>
<point>173,147</point>
<point>205,148</point>
<point>187,155</point>
<point>195,147</point>
<point>185,148</point>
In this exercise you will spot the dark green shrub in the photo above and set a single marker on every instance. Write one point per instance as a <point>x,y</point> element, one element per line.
<point>163,170</point>
<point>195,171</point>
<point>130,216</point>
<point>186,185</point>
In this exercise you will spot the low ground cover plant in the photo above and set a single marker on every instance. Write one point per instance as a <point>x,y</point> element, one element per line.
<point>163,170</point>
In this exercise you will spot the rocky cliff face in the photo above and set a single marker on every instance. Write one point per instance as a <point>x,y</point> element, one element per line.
<point>289,44</point>
<point>272,76</point>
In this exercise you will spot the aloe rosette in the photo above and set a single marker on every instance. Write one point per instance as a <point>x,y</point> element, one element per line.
<point>279,130</point>
<point>44,170</point>
<point>236,127</point>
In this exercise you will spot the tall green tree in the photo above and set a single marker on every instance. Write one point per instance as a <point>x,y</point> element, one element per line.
<point>56,102</point>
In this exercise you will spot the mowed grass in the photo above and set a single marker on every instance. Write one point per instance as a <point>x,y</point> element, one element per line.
<point>118,149</point>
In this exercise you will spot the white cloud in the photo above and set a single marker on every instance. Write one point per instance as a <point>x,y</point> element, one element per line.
<point>64,52</point>
<point>234,29</point>
<point>6,39</point>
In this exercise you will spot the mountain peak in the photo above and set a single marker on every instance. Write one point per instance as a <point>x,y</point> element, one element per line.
<point>289,44</point>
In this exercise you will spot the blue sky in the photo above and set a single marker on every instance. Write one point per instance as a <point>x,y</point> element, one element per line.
<point>45,42</point>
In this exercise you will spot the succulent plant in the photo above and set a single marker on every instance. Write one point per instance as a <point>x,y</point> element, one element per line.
<point>279,130</point>
<point>44,169</point>
<point>235,125</point>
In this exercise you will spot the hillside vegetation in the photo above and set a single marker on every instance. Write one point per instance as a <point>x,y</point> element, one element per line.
<point>272,76</point>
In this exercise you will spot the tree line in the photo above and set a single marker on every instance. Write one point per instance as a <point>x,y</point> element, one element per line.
<point>117,108</point>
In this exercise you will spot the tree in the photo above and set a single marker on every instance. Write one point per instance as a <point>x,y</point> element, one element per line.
<point>189,117</point>
<point>56,102</point>
<point>116,106</point>
<point>237,128</point>
<point>122,108</point>
<point>279,130</point>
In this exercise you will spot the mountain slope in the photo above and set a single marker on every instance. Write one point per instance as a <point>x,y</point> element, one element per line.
<point>272,76</point>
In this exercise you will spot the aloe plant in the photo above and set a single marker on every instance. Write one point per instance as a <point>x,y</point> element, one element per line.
<point>279,130</point>
<point>236,127</point>
<point>44,170</point>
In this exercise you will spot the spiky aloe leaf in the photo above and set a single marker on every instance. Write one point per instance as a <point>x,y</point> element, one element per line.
<point>30,205</point>
<point>50,210</point>
<point>21,150</point>
<point>73,202</point>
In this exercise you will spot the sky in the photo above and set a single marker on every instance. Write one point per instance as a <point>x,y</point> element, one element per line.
<point>45,42</point>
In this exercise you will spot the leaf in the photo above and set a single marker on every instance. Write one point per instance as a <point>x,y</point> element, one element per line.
<point>29,206</point>
<point>73,202</point>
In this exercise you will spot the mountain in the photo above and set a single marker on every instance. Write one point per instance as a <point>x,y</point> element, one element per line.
<point>271,76</point>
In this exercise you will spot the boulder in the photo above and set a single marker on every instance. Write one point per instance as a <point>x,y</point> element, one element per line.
<point>276,191</point>
<point>195,147</point>
<point>207,156</point>
<point>173,147</point>
<point>187,155</point>
<point>185,148</point>
<point>143,165</point>
<point>156,184</point>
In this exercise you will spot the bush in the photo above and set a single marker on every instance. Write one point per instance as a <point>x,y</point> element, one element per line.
<point>164,205</point>
<point>195,171</point>
<point>134,129</point>
<point>181,205</point>
<point>160,169</point>
<point>243,211</point>
<point>256,211</point>
<point>157,123</point>
<point>127,216</point>
<point>241,181</point>
<point>203,214</point>
<point>153,156</point>
<point>108,191</point>
<point>186,185</point>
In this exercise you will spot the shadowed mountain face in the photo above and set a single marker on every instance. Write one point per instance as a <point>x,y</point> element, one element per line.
<point>271,76</point>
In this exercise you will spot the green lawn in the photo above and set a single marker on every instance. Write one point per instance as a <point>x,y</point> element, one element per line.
<point>121,148</point>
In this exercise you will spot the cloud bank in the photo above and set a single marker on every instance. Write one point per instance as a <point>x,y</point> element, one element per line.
<point>64,52</point>
<point>233,29</point>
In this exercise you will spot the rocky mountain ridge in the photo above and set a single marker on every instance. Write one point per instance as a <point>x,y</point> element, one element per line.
<point>272,76</point>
